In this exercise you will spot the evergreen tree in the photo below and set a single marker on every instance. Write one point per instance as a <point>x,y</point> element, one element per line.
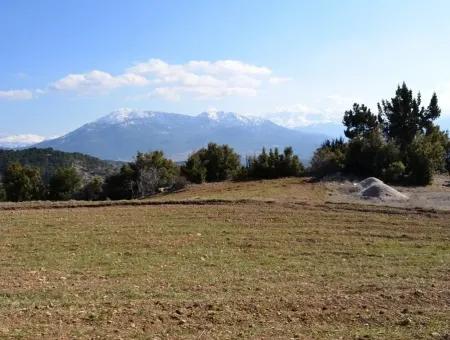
<point>273,165</point>
<point>64,183</point>
<point>22,183</point>
<point>93,190</point>
<point>212,164</point>
<point>143,177</point>
<point>404,117</point>
<point>329,158</point>
<point>359,121</point>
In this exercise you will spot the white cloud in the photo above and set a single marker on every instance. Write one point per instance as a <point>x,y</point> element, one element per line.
<point>279,80</point>
<point>299,115</point>
<point>328,110</point>
<point>16,95</point>
<point>197,79</point>
<point>13,141</point>
<point>203,79</point>
<point>97,81</point>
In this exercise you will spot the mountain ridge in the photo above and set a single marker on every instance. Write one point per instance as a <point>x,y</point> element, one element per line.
<point>122,133</point>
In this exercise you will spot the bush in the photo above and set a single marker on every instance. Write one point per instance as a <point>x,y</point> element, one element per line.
<point>329,158</point>
<point>272,165</point>
<point>64,184</point>
<point>394,172</point>
<point>120,186</point>
<point>143,177</point>
<point>364,155</point>
<point>93,190</point>
<point>179,183</point>
<point>421,160</point>
<point>22,183</point>
<point>212,164</point>
<point>2,193</point>
<point>194,170</point>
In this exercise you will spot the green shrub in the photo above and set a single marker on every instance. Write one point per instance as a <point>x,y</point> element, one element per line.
<point>22,183</point>
<point>273,165</point>
<point>93,190</point>
<point>143,177</point>
<point>394,172</point>
<point>2,193</point>
<point>329,158</point>
<point>212,164</point>
<point>179,183</point>
<point>64,184</point>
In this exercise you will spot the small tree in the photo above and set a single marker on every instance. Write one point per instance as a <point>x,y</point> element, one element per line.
<point>273,165</point>
<point>142,177</point>
<point>64,183</point>
<point>425,156</point>
<point>120,185</point>
<point>359,121</point>
<point>194,169</point>
<point>22,183</point>
<point>212,164</point>
<point>329,158</point>
<point>152,171</point>
<point>93,190</point>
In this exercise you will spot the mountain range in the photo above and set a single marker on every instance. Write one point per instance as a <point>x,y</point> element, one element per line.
<point>119,135</point>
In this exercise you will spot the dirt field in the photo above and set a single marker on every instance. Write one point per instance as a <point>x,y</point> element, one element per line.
<point>237,269</point>
<point>435,196</point>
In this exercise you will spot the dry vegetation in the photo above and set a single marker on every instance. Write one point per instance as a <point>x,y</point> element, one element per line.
<point>242,269</point>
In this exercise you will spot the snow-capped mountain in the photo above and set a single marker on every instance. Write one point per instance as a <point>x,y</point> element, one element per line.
<point>119,135</point>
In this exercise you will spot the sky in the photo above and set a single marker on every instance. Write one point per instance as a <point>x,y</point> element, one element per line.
<point>298,62</point>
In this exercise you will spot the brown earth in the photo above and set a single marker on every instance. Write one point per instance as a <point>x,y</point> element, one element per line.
<point>287,266</point>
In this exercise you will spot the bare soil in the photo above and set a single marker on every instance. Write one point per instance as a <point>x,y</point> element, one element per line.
<point>435,196</point>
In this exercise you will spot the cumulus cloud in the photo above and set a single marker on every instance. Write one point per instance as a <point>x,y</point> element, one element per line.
<point>97,81</point>
<point>198,79</point>
<point>16,95</point>
<point>203,79</point>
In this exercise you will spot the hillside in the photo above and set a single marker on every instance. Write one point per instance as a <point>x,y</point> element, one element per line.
<point>121,134</point>
<point>51,159</point>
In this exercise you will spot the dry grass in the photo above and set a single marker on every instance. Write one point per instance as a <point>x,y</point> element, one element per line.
<point>228,270</point>
<point>281,190</point>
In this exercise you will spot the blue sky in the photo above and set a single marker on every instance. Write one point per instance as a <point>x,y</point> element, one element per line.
<point>65,63</point>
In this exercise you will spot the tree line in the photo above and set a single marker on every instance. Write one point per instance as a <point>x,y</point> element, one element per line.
<point>400,144</point>
<point>148,174</point>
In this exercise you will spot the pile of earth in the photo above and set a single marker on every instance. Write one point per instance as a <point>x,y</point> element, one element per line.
<point>373,188</point>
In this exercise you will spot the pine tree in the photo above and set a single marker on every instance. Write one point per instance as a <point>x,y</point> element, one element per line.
<point>404,117</point>
<point>359,121</point>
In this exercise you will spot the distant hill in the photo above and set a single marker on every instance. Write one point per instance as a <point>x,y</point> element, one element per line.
<point>50,159</point>
<point>121,134</point>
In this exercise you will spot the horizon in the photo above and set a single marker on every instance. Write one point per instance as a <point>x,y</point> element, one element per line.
<point>299,64</point>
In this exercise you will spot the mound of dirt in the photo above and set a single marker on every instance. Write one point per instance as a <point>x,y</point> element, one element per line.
<point>369,181</point>
<point>373,188</point>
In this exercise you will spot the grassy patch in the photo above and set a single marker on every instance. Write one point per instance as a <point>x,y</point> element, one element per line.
<point>251,270</point>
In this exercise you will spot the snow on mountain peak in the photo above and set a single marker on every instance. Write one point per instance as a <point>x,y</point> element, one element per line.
<point>230,118</point>
<point>125,116</point>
